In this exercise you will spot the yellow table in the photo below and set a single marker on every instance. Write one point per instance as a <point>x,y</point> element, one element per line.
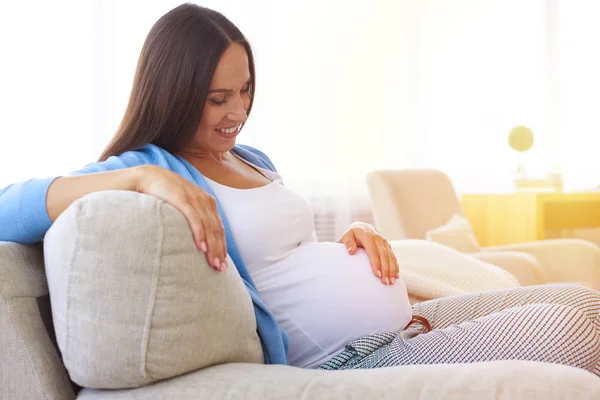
<point>499,219</point>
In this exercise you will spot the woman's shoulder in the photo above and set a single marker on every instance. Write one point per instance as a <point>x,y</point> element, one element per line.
<point>254,156</point>
<point>148,154</point>
<point>156,155</point>
<point>145,155</point>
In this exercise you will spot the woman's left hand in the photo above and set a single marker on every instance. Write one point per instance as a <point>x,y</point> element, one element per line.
<point>383,260</point>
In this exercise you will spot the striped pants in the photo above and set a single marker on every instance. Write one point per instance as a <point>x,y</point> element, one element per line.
<point>549,323</point>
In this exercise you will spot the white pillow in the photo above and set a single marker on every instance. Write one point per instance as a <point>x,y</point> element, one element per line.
<point>134,301</point>
<point>456,233</point>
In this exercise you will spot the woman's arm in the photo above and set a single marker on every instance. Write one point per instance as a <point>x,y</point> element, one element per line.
<point>27,209</point>
<point>62,192</point>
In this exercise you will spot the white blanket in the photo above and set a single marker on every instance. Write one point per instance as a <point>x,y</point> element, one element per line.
<point>431,270</point>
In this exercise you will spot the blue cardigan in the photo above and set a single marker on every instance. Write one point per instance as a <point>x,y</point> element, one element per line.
<point>24,219</point>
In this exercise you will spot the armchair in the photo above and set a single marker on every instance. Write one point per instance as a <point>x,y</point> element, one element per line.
<point>407,204</point>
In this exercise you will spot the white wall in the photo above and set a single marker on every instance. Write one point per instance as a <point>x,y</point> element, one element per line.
<point>46,86</point>
<point>357,85</point>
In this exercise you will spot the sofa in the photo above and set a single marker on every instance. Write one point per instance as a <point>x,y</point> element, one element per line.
<point>137,313</point>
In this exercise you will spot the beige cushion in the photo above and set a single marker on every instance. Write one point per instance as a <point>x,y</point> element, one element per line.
<point>134,301</point>
<point>498,380</point>
<point>456,233</point>
<point>524,267</point>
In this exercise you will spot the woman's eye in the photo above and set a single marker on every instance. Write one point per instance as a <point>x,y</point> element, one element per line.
<point>246,90</point>
<point>218,102</point>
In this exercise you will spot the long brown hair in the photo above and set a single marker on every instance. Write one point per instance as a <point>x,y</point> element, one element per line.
<point>172,79</point>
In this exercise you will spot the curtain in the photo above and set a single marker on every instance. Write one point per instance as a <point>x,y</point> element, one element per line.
<point>578,91</point>
<point>406,84</point>
<point>342,89</point>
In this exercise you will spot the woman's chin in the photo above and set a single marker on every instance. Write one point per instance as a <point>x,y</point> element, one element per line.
<point>223,145</point>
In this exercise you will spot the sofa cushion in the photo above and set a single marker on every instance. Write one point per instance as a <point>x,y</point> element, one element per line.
<point>31,366</point>
<point>134,301</point>
<point>456,233</point>
<point>498,380</point>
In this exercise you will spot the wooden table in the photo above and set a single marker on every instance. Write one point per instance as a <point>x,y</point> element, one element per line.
<point>499,219</point>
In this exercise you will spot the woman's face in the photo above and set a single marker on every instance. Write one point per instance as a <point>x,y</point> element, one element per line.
<point>227,102</point>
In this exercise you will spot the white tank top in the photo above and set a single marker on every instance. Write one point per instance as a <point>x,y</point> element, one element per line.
<point>322,297</point>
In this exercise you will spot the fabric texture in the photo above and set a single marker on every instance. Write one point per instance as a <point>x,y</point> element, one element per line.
<point>456,233</point>
<point>133,306</point>
<point>431,271</point>
<point>24,219</point>
<point>551,323</point>
<point>581,258</point>
<point>524,267</point>
<point>500,380</point>
<point>31,367</point>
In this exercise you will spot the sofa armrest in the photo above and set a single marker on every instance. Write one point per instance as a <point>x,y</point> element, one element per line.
<point>524,267</point>
<point>31,367</point>
<point>563,260</point>
<point>133,299</point>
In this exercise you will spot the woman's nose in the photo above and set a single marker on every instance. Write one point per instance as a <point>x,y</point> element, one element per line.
<point>238,112</point>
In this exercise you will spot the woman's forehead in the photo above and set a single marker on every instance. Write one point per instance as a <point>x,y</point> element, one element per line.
<point>233,68</point>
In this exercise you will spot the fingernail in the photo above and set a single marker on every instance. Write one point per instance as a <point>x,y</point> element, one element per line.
<point>223,266</point>
<point>349,249</point>
<point>217,263</point>
<point>379,274</point>
<point>203,246</point>
<point>387,280</point>
<point>397,275</point>
<point>393,280</point>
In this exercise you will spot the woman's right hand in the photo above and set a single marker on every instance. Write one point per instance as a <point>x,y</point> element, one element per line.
<point>198,207</point>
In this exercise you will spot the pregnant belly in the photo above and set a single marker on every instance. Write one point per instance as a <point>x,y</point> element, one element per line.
<point>324,298</point>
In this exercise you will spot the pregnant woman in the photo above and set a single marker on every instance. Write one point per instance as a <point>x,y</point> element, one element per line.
<point>327,305</point>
